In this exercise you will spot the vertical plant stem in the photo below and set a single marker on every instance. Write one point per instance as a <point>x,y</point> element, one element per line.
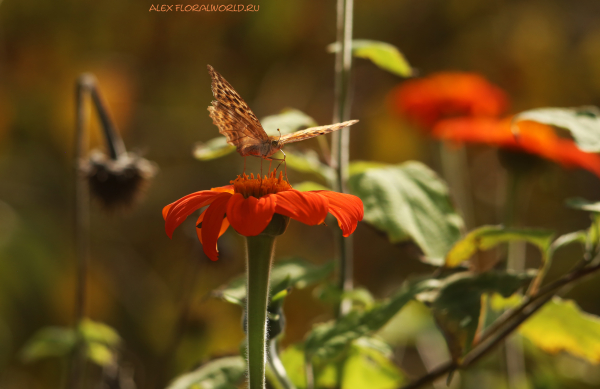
<point>515,358</point>
<point>260,250</point>
<point>340,147</point>
<point>455,170</point>
<point>82,231</point>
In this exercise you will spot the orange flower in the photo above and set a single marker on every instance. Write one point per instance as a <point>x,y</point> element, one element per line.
<point>531,137</point>
<point>447,94</point>
<point>249,204</point>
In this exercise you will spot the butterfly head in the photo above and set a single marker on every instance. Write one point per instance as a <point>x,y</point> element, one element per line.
<point>274,145</point>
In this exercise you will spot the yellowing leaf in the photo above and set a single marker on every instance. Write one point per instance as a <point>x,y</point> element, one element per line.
<point>562,326</point>
<point>487,237</point>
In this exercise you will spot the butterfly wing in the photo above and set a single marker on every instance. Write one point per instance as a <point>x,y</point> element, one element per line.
<point>314,131</point>
<point>233,117</point>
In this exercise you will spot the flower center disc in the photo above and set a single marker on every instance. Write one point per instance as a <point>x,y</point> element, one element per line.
<point>259,186</point>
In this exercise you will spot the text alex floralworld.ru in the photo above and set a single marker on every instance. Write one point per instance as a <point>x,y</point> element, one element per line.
<point>204,8</point>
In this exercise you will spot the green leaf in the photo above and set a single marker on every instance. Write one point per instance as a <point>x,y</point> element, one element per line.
<point>367,367</point>
<point>100,341</point>
<point>487,237</point>
<point>456,305</point>
<point>93,331</point>
<point>414,319</point>
<point>309,185</point>
<point>289,120</point>
<point>367,364</point>
<point>567,239</point>
<point>358,167</point>
<point>308,162</point>
<point>49,342</point>
<point>384,55</point>
<point>214,148</point>
<point>100,353</point>
<point>583,204</point>
<point>296,273</point>
<point>409,201</point>
<point>582,122</point>
<point>222,373</point>
<point>561,325</point>
<point>328,340</point>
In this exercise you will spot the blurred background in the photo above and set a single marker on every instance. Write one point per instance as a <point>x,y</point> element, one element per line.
<point>151,67</point>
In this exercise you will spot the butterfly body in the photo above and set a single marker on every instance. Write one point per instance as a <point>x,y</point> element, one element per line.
<point>241,127</point>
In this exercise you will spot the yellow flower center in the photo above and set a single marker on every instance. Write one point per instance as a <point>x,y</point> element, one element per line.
<point>259,186</point>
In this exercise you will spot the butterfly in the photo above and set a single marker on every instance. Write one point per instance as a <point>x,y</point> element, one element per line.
<point>241,127</point>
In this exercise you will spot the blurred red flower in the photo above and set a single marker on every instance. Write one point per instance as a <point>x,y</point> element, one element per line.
<point>528,136</point>
<point>249,204</point>
<point>448,94</point>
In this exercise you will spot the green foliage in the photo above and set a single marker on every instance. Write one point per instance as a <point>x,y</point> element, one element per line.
<point>582,122</point>
<point>568,239</point>
<point>289,120</point>
<point>413,319</point>
<point>583,204</point>
<point>409,201</point>
<point>308,186</point>
<point>100,342</point>
<point>49,342</point>
<point>214,148</point>
<point>222,373</point>
<point>456,304</point>
<point>487,237</point>
<point>289,273</point>
<point>561,325</point>
<point>308,162</point>
<point>328,340</point>
<point>384,55</point>
<point>592,235</point>
<point>366,364</point>
<point>97,332</point>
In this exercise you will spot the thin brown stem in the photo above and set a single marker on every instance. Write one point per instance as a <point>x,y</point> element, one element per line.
<point>506,325</point>
<point>114,142</point>
<point>81,229</point>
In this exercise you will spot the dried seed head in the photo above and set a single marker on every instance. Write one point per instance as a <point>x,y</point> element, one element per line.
<point>117,184</point>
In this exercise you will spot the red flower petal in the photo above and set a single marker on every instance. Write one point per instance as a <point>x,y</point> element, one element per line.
<point>448,94</point>
<point>175,213</point>
<point>212,223</point>
<point>224,226</point>
<point>306,207</point>
<point>226,188</point>
<point>347,208</point>
<point>534,138</point>
<point>249,217</point>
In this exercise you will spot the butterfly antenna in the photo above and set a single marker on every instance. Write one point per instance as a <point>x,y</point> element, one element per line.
<point>284,167</point>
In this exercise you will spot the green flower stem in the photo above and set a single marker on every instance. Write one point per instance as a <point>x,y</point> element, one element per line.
<point>260,250</point>
<point>340,147</point>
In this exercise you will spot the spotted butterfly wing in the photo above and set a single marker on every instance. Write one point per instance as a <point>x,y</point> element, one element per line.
<point>233,117</point>
<point>314,131</point>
